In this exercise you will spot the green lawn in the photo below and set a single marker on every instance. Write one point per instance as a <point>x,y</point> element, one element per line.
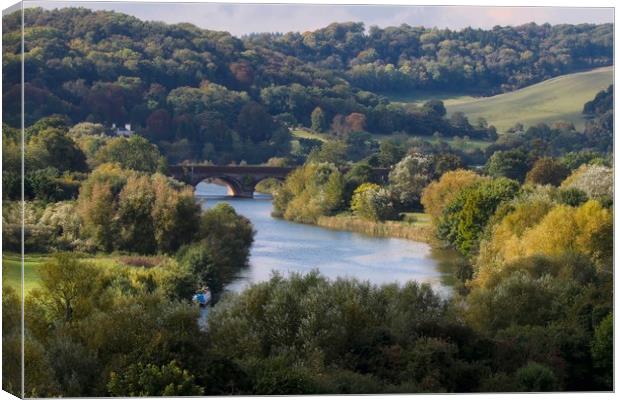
<point>11,270</point>
<point>11,267</point>
<point>560,98</point>
<point>419,97</point>
<point>456,143</point>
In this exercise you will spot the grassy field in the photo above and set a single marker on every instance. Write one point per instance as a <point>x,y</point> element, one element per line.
<point>560,98</point>
<point>305,134</point>
<point>11,270</point>
<point>419,97</point>
<point>11,266</point>
<point>456,143</point>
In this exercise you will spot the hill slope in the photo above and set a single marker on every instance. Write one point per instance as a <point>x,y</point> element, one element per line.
<point>560,98</point>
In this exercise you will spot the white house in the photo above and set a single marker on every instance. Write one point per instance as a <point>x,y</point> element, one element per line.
<point>126,131</point>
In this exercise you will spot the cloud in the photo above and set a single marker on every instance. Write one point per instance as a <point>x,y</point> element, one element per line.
<point>240,19</point>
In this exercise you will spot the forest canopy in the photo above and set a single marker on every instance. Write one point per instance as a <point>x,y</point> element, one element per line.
<point>205,95</point>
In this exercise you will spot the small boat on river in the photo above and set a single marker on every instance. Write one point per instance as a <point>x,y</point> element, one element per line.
<point>202,297</point>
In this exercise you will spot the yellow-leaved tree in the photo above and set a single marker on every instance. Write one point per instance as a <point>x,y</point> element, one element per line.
<point>440,193</point>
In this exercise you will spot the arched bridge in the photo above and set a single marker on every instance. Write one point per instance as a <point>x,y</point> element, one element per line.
<point>241,180</point>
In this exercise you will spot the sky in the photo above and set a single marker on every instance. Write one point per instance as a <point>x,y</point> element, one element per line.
<point>240,19</point>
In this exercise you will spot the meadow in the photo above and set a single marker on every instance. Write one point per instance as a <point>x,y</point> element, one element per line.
<point>560,98</point>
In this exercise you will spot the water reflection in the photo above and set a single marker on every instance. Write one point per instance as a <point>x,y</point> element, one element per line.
<point>286,247</point>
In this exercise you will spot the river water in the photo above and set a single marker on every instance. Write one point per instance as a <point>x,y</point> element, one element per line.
<point>286,247</point>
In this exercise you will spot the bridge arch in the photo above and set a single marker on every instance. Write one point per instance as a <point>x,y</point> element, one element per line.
<point>233,186</point>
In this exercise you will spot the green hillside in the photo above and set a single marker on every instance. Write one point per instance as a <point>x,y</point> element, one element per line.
<point>560,98</point>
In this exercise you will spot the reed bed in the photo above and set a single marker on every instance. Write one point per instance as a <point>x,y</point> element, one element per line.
<point>396,229</point>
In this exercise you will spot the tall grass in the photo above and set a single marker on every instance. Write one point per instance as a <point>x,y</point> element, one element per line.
<point>396,229</point>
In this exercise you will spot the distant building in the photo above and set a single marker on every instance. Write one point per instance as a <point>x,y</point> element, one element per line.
<point>118,131</point>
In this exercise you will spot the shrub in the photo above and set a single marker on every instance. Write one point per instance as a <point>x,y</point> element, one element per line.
<point>536,377</point>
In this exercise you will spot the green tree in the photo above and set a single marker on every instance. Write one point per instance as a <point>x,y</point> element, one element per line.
<point>228,237</point>
<point>153,380</point>
<point>51,147</point>
<point>602,348</point>
<point>512,164</point>
<point>68,287</point>
<point>135,153</point>
<point>196,257</point>
<point>317,119</point>
<point>464,219</point>
<point>536,377</point>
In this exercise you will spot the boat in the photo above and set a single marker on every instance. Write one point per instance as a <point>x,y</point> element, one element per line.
<point>202,297</point>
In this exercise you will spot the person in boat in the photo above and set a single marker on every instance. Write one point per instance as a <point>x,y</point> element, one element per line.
<point>203,296</point>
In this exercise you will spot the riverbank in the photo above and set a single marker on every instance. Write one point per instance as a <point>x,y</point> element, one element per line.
<point>417,231</point>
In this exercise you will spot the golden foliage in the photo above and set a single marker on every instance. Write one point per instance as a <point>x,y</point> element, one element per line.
<point>440,193</point>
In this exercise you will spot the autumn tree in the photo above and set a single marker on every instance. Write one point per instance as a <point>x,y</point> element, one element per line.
<point>547,171</point>
<point>438,194</point>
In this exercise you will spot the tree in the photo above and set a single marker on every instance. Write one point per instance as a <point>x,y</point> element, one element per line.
<point>536,377</point>
<point>310,191</point>
<point>603,349</point>
<point>389,153</point>
<point>460,121</point>
<point>67,287</point>
<point>135,204</point>
<point>254,122</point>
<point>317,119</point>
<point>438,194</point>
<point>153,380</point>
<point>465,217</point>
<point>595,180</point>
<point>436,107</point>
<point>97,210</point>
<point>51,147</point>
<point>197,259</point>
<point>86,129</point>
<point>356,122</point>
<point>409,177</point>
<point>358,174</point>
<point>332,151</point>
<point>511,164</point>
<point>371,201</point>
<point>135,153</point>
<point>547,171</point>
<point>228,237</point>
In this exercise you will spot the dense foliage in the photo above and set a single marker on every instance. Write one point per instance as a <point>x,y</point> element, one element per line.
<point>405,57</point>
<point>206,95</point>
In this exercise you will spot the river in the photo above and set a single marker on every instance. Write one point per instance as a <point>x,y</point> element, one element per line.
<point>286,247</point>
